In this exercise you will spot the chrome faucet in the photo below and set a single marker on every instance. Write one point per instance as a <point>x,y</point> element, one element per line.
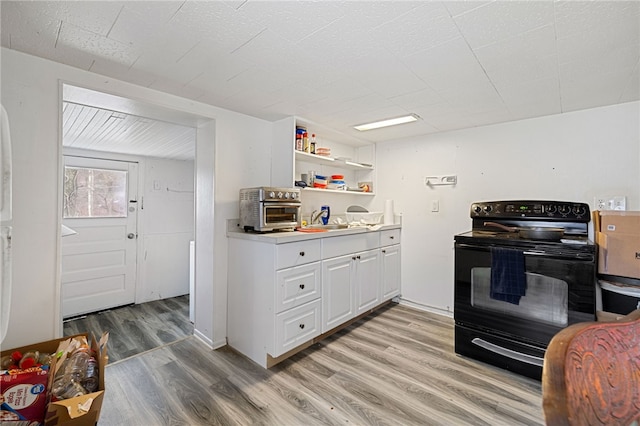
<point>315,219</point>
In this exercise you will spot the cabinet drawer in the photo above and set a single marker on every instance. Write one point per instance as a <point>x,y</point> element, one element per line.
<point>348,244</point>
<point>389,237</point>
<point>294,254</point>
<point>296,286</point>
<point>296,326</point>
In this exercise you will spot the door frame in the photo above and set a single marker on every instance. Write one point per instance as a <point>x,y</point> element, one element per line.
<point>207,284</point>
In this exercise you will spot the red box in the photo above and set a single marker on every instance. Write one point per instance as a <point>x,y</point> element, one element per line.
<point>24,395</point>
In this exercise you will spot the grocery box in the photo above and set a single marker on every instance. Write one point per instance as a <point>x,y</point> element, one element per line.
<point>618,239</point>
<point>81,410</point>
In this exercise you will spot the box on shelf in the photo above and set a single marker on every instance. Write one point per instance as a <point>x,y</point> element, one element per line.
<point>82,410</point>
<point>618,239</point>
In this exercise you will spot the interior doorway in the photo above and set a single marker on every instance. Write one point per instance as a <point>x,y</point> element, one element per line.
<point>165,140</point>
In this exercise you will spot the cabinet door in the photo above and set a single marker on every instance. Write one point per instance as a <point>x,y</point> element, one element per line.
<point>337,292</point>
<point>390,271</point>
<point>367,280</point>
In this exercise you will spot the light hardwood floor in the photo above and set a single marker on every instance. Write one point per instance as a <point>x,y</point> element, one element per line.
<point>137,328</point>
<point>395,367</point>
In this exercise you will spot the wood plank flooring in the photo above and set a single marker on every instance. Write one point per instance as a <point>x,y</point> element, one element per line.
<point>395,367</point>
<point>137,328</point>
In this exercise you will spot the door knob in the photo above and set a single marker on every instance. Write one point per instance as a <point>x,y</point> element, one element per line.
<point>131,236</point>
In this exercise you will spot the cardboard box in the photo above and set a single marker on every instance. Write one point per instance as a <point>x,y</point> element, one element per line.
<point>79,411</point>
<point>618,239</point>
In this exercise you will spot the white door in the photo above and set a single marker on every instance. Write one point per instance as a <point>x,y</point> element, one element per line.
<point>99,261</point>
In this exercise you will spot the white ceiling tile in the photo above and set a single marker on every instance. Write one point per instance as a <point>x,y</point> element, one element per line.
<point>606,18</point>
<point>474,99</point>
<point>146,29</point>
<point>545,92</point>
<point>500,19</point>
<point>417,98</point>
<point>528,56</point>
<point>85,42</point>
<point>94,16</point>
<point>291,20</point>
<point>419,29</point>
<point>456,8</point>
<point>215,21</point>
<point>363,16</point>
<point>586,90</point>
<point>490,116</point>
<point>453,57</point>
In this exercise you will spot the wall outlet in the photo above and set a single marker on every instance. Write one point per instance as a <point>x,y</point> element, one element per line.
<point>618,202</point>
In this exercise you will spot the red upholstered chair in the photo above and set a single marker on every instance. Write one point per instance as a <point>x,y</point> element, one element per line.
<point>591,374</point>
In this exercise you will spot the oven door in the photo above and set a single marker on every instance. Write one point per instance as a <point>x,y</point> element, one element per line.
<point>560,291</point>
<point>280,215</point>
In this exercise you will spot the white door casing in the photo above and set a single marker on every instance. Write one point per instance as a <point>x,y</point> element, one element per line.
<point>99,262</point>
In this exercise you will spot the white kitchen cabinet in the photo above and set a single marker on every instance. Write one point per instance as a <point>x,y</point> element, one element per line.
<point>351,157</point>
<point>283,296</point>
<point>338,304</point>
<point>367,280</point>
<point>274,297</point>
<point>350,286</point>
<point>389,264</point>
<point>390,274</point>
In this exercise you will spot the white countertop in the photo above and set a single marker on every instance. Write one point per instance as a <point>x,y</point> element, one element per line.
<point>292,236</point>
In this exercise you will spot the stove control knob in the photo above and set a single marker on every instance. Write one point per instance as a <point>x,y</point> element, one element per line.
<point>272,194</point>
<point>477,208</point>
<point>293,195</point>
<point>579,210</point>
<point>564,209</point>
<point>488,209</point>
<point>551,209</point>
<point>286,195</point>
<point>280,194</point>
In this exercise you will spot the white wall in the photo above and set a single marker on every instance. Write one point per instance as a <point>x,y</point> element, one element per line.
<point>573,156</point>
<point>167,219</point>
<point>30,92</point>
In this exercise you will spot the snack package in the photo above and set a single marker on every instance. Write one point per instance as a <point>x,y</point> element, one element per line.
<point>23,394</point>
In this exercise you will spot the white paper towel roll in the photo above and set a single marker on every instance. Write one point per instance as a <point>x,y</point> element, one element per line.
<point>388,212</point>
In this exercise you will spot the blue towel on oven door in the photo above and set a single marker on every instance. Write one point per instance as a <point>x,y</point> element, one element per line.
<point>508,278</point>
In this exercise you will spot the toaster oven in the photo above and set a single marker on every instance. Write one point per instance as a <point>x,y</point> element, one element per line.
<point>265,209</point>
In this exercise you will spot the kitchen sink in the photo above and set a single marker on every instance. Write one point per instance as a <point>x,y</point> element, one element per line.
<point>328,227</point>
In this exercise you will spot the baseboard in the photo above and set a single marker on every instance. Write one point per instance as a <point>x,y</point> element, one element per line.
<point>426,308</point>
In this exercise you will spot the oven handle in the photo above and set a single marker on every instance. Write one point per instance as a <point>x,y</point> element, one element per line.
<point>281,204</point>
<point>519,356</point>
<point>577,256</point>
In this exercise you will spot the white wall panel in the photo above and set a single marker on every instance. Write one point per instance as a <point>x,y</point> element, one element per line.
<point>573,156</point>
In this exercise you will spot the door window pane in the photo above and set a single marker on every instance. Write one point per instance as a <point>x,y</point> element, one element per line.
<point>92,192</point>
